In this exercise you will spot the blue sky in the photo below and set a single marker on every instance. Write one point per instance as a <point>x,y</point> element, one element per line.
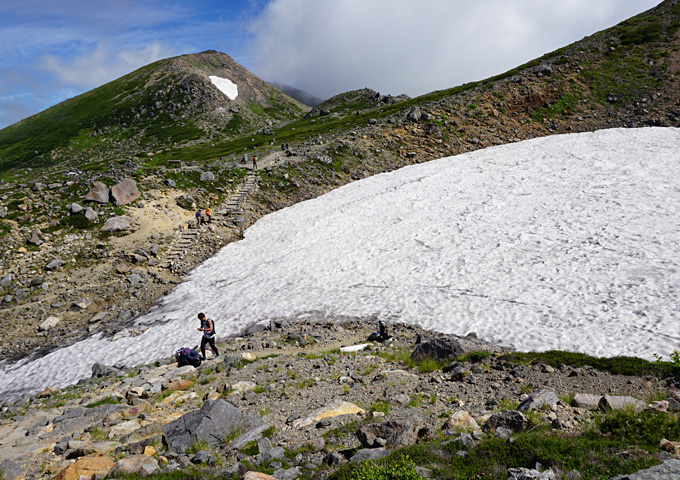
<point>51,51</point>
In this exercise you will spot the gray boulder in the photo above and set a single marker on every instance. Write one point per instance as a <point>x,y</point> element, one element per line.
<point>3,212</point>
<point>117,224</point>
<point>38,187</point>
<point>510,419</point>
<point>6,281</point>
<point>451,346</point>
<point>136,464</point>
<point>527,474</point>
<point>35,238</point>
<point>370,454</point>
<point>254,329</point>
<point>54,264</point>
<point>539,400</point>
<point>91,214</point>
<point>186,201</point>
<point>215,420</point>
<point>11,470</point>
<point>586,400</point>
<point>100,370</point>
<point>414,115</point>
<point>207,177</point>
<point>615,402</point>
<point>171,183</point>
<point>98,193</point>
<point>399,431</point>
<point>75,208</point>
<point>668,470</point>
<point>125,192</point>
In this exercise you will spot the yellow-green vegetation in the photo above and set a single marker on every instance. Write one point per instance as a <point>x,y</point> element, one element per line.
<point>196,446</point>
<point>380,406</point>
<point>617,365</point>
<point>399,468</point>
<point>597,453</point>
<point>105,401</point>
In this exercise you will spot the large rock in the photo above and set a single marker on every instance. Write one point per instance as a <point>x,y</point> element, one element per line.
<point>586,400</point>
<point>91,214</point>
<point>334,409</point>
<point>510,419</point>
<point>398,431</point>
<point>451,346</point>
<point>461,421</point>
<point>215,420</point>
<point>89,466</point>
<point>528,474</point>
<point>6,281</point>
<point>3,212</point>
<point>54,264</point>
<point>140,464</point>
<point>98,193</point>
<point>539,400</point>
<point>414,114</point>
<point>125,192</point>
<point>11,470</point>
<point>117,224</point>
<point>207,177</point>
<point>35,238</point>
<point>615,402</point>
<point>75,208</point>
<point>50,322</point>
<point>668,470</point>
<point>186,201</point>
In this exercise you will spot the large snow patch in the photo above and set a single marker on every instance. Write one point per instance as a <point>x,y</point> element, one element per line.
<point>566,242</point>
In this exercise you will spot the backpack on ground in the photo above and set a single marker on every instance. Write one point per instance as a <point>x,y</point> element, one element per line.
<point>188,356</point>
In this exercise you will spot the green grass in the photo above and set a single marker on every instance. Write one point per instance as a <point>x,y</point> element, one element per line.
<point>617,365</point>
<point>380,406</point>
<point>105,401</point>
<point>196,446</point>
<point>619,443</point>
<point>399,468</point>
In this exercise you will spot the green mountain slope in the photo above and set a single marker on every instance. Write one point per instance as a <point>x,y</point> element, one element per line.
<point>169,102</point>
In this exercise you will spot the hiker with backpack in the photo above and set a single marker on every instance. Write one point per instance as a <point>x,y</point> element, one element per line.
<point>208,329</point>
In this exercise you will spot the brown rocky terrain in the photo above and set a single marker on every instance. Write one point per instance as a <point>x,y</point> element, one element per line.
<point>288,401</point>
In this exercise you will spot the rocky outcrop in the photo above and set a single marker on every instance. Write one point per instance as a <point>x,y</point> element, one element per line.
<point>125,192</point>
<point>117,224</point>
<point>230,415</point>
<point>98,193</point>
<point>211,424</point>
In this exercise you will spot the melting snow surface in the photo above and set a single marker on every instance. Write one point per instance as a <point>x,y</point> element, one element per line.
<point>564,242</point>
<point>226,86</point>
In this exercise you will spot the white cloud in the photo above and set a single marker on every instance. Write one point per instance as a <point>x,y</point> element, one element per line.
<point>102,64</point>
<point>401,46</point>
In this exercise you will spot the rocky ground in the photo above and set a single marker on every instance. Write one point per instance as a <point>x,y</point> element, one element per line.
<point>289,401</point>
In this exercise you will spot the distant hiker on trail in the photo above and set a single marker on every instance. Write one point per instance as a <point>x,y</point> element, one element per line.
<point>255,162</point>
<point>244,159</point>
<point>208,214</point>
<point>208,329</point>
<point>283,147</point>
<point>198,218</point>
